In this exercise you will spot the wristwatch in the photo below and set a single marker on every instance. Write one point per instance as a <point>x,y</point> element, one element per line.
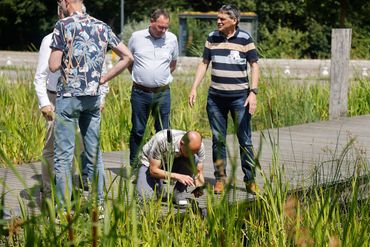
<point>254,90</point>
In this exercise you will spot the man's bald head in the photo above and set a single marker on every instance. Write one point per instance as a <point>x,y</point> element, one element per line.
<point>190,143</point>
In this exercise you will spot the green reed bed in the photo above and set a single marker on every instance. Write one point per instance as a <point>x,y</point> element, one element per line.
<point>314,215</point>
<point>281,102</point>
<point>21,124</point>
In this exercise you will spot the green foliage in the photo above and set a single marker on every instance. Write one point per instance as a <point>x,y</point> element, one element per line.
<point>314,215</point>
<point>279,22</point>
<point>360,42</point>
<point>133,26</point>
<point>282,43</point>
<point>359,90</point>
<point>22,127</point>
<point>311,103</point>
<point>23,22</point>
<point>197,35</point>
<point>318,39</point>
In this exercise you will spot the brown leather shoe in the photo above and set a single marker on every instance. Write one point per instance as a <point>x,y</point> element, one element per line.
<point>219,187</point>
<point>251,188</point>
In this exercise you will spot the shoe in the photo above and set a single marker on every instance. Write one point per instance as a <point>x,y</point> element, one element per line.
<point>57,220</point>
<point>133,179</point>
<point>101,211</point>
<point>98,213</point>
<point>130,172</point>
<point>85,184</point>
<point>63,217</point>
<point>219,187</point>
<point>44,194</point>
<point>179,198</point>
<point>251,188</point>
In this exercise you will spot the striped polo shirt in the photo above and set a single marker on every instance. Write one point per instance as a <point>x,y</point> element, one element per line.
<point>229,62</point>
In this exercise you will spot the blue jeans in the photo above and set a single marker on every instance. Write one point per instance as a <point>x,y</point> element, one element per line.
<point>85,112</point>
<point>218,108</point>
<point>142,104</point>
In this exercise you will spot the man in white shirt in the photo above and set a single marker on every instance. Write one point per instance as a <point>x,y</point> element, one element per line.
<point>155,52</point>
<point>45,85</point>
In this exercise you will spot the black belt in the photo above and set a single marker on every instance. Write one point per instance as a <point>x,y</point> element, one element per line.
<point>150,89</point>
<point>51,92</point>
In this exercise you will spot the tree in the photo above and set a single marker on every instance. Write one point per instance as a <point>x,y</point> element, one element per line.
<point>24,22</point>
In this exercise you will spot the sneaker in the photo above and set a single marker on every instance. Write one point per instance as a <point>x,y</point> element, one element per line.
<point>179,198</point>
<point>101,211</point>
<point>64,216</point>
<point>130,173</point>
<point>133,179</point>
<point>251,188</point>
<point>85,184</point>
<point>219,187</point>
<point>45,194</point>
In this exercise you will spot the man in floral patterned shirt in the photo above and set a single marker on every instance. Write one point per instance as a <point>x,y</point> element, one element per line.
<point>79,46</point>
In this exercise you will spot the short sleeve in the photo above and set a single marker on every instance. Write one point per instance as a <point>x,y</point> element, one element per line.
<point>175,53</point>
<point>201,153</point>
<point>113,40</point>
<point>131,43</point>
<point>207,50</point>
<point>155,151</point>
<point>251,51</point>
<point>58,41</point>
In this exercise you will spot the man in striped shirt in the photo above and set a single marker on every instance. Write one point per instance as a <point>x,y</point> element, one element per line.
<point>230,50</point>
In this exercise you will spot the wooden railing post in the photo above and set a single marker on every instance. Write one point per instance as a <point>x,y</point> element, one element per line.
<point>339,72</point>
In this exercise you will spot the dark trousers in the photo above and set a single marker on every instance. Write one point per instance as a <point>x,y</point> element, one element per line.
<point>142,104</point>
<point>147,185</point>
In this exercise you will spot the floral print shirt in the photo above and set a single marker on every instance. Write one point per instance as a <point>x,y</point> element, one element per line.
<point>84,41</point>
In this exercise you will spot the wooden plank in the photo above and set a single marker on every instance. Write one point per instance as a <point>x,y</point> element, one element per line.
<point>339,72</point>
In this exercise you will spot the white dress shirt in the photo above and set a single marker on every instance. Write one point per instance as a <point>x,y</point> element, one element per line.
<point>44,79</point>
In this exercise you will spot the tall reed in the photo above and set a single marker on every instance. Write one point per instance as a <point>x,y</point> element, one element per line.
<point>281,102</point>
<point>316,214</point>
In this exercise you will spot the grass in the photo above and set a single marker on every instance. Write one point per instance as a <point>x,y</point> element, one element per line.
<point>324,211</point>
<point>281,103</point>
<point>314,215</point>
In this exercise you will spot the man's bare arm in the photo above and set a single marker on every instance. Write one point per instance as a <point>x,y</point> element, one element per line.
<point>156,171</point>
<point>199,75</point>
<point>125,60</point>
<point>173,65</point>
<point>55,60</point>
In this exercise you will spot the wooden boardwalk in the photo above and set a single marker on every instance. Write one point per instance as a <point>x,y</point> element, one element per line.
<point>307,152</point>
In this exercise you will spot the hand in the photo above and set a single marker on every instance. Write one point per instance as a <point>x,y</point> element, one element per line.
<point>184,179</point>
<point>102,80</point>
<point>48,112</point>
<point>198,191</point>
<point>199,186</point>
<point>199,180</point>
<point>252,102</point>
<point>192,97</point>
<point>102,107</point>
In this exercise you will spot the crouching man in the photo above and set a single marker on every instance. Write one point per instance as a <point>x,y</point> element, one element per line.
<point>175,155</point>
